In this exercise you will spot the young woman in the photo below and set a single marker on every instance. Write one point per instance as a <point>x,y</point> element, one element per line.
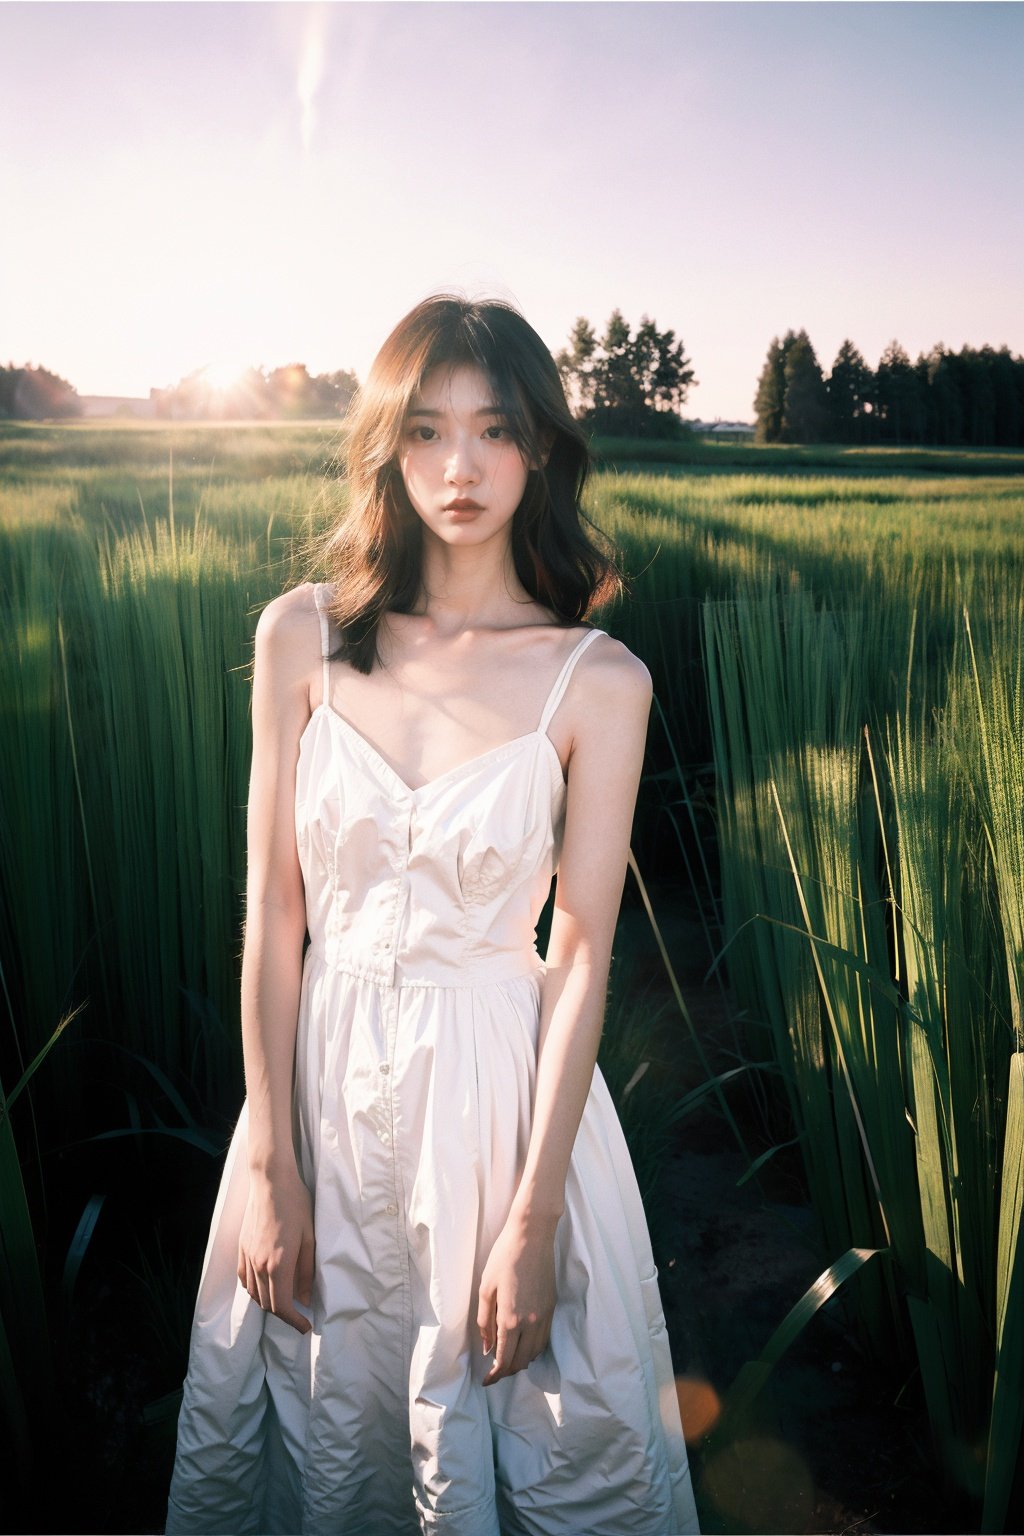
<point>428,1300</point>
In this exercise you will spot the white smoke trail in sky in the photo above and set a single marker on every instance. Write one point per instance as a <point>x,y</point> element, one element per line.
<point>311,68</point>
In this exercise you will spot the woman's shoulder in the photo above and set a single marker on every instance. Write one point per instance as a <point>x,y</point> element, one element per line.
<point>288,625</point>
<point>290,607</point>
<point>613,661</point>
<point>610,697</point>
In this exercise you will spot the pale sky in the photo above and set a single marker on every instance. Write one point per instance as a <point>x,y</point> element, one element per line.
<point>183,184</point>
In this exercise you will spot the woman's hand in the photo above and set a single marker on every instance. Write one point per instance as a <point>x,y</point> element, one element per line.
<point>275,1247</point>
<point>517,1296</point>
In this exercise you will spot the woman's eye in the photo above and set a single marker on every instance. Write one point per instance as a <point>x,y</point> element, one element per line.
<point>497,434</point>
<point>422,434</point>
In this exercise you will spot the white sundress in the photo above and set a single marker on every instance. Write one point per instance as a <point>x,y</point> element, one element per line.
<point>414,1070</point>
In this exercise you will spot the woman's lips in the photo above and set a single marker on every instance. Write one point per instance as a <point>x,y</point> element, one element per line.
<point>463,505</point>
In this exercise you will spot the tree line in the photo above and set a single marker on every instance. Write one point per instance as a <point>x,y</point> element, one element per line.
<point>36,394</point>
<point>634,383</point>
<point>628,383</point>
<point>291,393</point>
<point>971,398</point>
<point>278,394</point>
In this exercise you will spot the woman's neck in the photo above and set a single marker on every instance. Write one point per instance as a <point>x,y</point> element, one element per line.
<point>470,589</point>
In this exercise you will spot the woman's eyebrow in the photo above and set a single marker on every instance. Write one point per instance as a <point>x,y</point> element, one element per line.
<point>485,410</point>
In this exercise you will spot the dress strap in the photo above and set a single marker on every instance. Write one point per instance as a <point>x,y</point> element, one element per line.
<point>562,680</point>
<point>319,597</point>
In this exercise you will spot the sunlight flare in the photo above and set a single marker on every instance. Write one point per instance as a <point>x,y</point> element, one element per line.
<point>224,375</point>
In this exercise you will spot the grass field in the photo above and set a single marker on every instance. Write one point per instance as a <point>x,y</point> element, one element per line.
<point>835,776</point>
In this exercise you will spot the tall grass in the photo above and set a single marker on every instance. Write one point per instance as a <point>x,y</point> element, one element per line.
<point>998,691</point>
<point>124,747</point>
<point>872,870</point>
<point>787,695</point>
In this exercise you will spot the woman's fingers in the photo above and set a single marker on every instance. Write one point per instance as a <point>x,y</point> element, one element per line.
<point>504,1350</point>
<point>526,1350</point>
<point>271,1291</point>
<point>272,1294</point>
<point>282,1306</point>
<point>517,1299</point>
<point>250,1281</point>
<point>262,1288</point>
<point>304,1271</point>
<point>486,1315</point>
<point>276,1248</point>
<point>516,1347</point>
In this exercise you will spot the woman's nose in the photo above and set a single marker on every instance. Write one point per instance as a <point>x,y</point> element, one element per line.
<point>461,467</point>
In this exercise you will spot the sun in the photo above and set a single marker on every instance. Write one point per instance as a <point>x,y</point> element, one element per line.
<point>223,376</point>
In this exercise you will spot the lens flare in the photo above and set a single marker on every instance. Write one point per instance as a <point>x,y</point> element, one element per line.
<point>222,376</point>
<point>700,1407</point>
<point>759,1484</point>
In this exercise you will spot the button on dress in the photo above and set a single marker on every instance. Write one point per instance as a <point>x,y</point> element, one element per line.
<point>414,1073</point>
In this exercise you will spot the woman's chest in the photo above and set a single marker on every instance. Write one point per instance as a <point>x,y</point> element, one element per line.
<point>485,827</point>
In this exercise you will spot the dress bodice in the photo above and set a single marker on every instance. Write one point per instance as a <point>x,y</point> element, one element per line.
<point>442,883</point>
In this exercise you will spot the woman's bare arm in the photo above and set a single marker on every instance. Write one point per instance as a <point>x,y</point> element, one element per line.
<point>517,1291</point>
<point>275,1249</point>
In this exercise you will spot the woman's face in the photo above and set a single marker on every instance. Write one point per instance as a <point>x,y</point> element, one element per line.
<point>463,471</point>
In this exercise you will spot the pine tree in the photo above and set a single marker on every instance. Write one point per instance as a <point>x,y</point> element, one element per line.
<point>901,417</point>
<point>627,385</point>
<point>673,373</point>
<point>805,413</point>
<point>1009,418</point>
<point>575,364</point>
<point>945,408</point>
<point>616,388</point>
<point>771,392</point>
<point>849,387</point>
<point>981,395</point>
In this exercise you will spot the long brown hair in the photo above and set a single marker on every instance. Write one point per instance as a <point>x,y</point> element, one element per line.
<point>373,553</point>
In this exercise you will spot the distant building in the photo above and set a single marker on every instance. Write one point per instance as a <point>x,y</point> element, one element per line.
<point>122,407</point>
<point>725,431</point>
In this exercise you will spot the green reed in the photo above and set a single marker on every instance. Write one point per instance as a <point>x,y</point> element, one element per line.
<point>872,871</point>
